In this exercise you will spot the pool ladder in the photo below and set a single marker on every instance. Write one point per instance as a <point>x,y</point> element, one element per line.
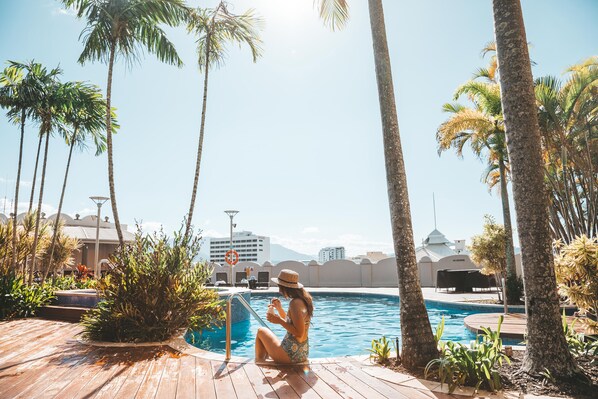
<point>229,318</point>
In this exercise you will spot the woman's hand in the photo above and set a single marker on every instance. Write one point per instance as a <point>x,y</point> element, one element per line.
<point>274,318</point>
<point>276,303</point>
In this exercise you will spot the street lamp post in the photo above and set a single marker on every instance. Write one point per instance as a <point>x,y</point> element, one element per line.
<point>99,202</point>
<point>231,214</point>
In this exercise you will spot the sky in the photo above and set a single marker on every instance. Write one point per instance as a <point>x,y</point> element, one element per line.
<point>293,141</point>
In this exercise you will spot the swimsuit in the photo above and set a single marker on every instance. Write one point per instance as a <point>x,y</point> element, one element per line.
<point>297,351</point>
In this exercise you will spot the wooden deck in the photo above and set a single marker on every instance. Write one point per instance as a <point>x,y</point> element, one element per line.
<point>42,359</point>
<point>513,325</point>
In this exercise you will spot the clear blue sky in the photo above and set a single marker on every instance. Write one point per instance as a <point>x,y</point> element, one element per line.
<point>294,141</point>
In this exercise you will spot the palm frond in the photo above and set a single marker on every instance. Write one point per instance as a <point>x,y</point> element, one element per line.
<point>334,13</point>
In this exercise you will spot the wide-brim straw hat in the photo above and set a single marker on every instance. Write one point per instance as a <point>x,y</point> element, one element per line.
<point>288,278</point>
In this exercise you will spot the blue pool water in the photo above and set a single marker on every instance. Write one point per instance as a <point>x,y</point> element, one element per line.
<point>342,325</point>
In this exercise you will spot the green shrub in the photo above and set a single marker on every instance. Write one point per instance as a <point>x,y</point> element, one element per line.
<point>475,365</point>
<point>71,283</point>
<point>380,350</point>
<point>579,344</point>
<point>155,291</point>
<point>17,299</point>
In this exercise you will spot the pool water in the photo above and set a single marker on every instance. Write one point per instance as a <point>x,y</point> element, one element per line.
<point>342,325</point>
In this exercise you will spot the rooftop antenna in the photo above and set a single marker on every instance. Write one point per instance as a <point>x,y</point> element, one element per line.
<point>434,203</point>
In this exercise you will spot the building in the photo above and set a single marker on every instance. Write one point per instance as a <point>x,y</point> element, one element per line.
<point>331,253</point>
<point>251,247</point>
<point>84,229</point>
<point>373,256</point>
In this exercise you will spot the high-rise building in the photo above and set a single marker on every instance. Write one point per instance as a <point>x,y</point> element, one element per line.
<point>250,247</point>
<point>331,253</point>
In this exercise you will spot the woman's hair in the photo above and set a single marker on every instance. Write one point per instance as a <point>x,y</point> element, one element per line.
<point>301,294</point>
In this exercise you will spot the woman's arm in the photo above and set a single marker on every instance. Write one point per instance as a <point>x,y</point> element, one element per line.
<point>278,307</point>
<point>296,314</point>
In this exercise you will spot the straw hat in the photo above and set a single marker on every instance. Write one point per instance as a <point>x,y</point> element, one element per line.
<point>288,278</point>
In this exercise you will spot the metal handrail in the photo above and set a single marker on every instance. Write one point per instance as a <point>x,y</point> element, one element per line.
<point>229,318</point>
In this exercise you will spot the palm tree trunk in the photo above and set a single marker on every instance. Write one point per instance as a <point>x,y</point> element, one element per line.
<point>546,345</point>
<point>200,145</point>
<point>16,204</point>
<point>418,345</point>
<point>39,146</point>
<point>57,221</point>
<point>109,144</point>
<point>39,209</point>
<point>506,214</point>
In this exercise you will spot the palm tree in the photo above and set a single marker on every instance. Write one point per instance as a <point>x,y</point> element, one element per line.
<point>20,89</point>
<point>85,116</point>
<point>124,28</point>
<point>418,345</point>
<point>546,346</point>
<point>48,112</point>
<point>215,28</point>
<point>483,128</point>
<point>568,117</point>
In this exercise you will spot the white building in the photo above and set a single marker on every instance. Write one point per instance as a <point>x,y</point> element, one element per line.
<point>373,256</point>
<point>331,253</point>
<point>251,247</point>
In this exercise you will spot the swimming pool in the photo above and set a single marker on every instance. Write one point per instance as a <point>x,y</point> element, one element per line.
<point>343,324</point>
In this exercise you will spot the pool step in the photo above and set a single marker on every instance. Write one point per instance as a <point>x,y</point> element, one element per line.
<point>63,313</point>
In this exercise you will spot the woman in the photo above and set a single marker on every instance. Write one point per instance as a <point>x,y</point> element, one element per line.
<point>294,347</point>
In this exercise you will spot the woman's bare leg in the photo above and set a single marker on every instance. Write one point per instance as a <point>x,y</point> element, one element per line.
<point>267,343</point>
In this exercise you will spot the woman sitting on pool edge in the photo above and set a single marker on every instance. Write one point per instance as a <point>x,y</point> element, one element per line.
<point>294,347</point>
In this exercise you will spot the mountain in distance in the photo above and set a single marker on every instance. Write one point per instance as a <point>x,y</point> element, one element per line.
<point>278,253</point>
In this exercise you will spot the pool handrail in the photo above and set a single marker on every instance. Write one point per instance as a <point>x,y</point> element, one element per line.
<point>229,318</point>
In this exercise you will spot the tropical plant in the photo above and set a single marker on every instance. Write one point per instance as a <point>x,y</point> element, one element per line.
<point>576,266</point>
<point>568,117</point>
<point>579,344</point>
<point>418,346</point>
<point>18,299</point>
<point>21,87</point>
<point>482,126</point>
<point>124,28</point>
<point>475,365</point>
<point>83,121</point>
<point>214,29</point>
<point>439,331</point>
<point>155,291</point>
<point>546,345</point>
<point>380,350</point>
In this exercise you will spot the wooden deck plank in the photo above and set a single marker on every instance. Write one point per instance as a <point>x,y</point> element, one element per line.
<point>259,382</point>
<point>318,385</point>
<point>170,377</point>
<point>186,385</point>
<point>276,379</point>
<point>241,383</point>
<point>513,325</point>
<point>204,382</point>
<point>112,386</point>
<point>299,385</point>
<point>372,382</point>
<point>101,378</point>
<point>358,385</point>
<point>336,383</point>
<point>222,381</point>
<point>149,385</point>
<point>136,376</point>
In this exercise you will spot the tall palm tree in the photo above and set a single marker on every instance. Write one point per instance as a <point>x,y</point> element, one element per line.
<point>20,89</point>
<point>568,117</point>
<point>84,120</point>
<point>48,111</point>
<point>215,28</point>
<point>123,28</point>
<point>418,345</point>
<point>546,346</point>
<point>482,126</point>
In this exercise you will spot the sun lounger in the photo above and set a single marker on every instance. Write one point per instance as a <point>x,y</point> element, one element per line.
<point>263,279</point>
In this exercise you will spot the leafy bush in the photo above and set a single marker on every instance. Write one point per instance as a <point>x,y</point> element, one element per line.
<point>475,365</point>
<point>71,283</point>
<point>380,350</point>
<point>17,299</point>
<point>154,292</point>
<point>579,344</point>
<point>576,267</point>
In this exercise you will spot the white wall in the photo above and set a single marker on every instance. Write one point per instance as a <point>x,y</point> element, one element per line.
<point>347,273</point>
